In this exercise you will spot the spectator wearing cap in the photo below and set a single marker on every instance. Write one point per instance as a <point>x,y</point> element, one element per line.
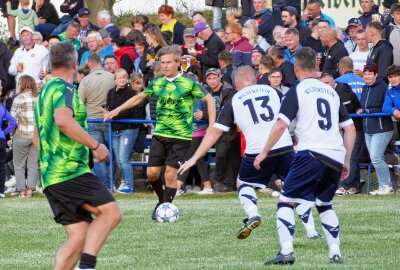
<point>292,42</point>
<point>190,42</point>
<point>314,12</point>
<point>335,52</point>
<point>213,45</point>
<point>124,53</point>
<point>169,23</point>
<point>353,26</point>
<point>106,36</point>
<point>238,45</point>
<point>360,56</point>
<point>217,6</point>
<point>277,53</point>
<point>84,20</point>
<point>71,34</point>
<point>250,31</point>
<point>368,9</point>
<point>104,21</point>
<point>391,32</point>
<point>28,59</point>
<point>48,17</point>
<point>227,148</point>
<point>225,60</point>
<point>290,18</point>
<point>256,56</point>
<point>264,18</point>
<point>95,41</point>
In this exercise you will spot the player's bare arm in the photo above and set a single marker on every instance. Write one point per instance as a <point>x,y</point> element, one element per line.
<point>68,125</point>
<point>349,139</point>
<point>276,132</point>
<point>132,102</point>
<point>209,140</point>
<point>212,115</point>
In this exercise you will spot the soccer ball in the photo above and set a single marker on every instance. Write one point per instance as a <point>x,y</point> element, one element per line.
<point>167,212</point>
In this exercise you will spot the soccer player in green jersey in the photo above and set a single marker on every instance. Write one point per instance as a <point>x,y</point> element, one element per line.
<point>74,194</point>
<point>174,122</point>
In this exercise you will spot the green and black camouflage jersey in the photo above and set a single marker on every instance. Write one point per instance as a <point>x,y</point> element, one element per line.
<point>60,157</point>
<point>175,106</point>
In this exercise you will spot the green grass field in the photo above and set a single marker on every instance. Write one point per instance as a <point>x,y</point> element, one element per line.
<point>205,235</point>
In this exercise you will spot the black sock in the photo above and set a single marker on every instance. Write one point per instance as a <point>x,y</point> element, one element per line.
<point>87,261</point>
<point>169,194</point>
<point>158,188</point>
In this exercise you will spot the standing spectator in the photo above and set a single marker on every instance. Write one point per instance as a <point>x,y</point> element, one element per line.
<point>106,37</point>
<point>360,56</point>
<point>378,130</point>
<point>95,42</point>
<point>140,45</point>
<point>11,21</point>
<point>314,12</point>
<point>256,56</point>
<point>190,42</point>
<point>335,52</point>
<point>213,45</point>
<point>124,53</point>
<point>264,18</point>
<point>71,34</point>
<point>382,51</point>
<point>48,17</point>
<point>250,31</point>
<point>51,40</point>
<point>392,32</point>
<point>279,35</point>
<point>225,60</point>
<point>277,53</point>
<point>238,45</point>
<point>71,7</point>
<point>217,6</point>
<point>38,38</point>
<point>110,63</point>
<point>104,21</point>
<point>392,98</point>
<point>139,21</point>
<point>347,76</point>
<point>387,4</point>
<point>124,134</point>
<point>28,59</point>
<point>93,91</point>
<point>220,32</point>
<point>353,26</point>
<point>290,19</point>
<point>197,17</point>
<point>368,9</point>
<point>235,14</point>
<point>169,23</point>
<point>25,16</point>
<point>265,67</point>
<point>292,42</point>
<point>275,79</point>
<point>25,154</point>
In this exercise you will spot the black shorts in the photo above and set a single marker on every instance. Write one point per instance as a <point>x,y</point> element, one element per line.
<point>14,5</point>
<point>167,151</point>
<point>66,198</point>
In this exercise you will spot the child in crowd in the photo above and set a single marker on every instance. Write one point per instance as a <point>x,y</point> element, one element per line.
<point>26,16</point>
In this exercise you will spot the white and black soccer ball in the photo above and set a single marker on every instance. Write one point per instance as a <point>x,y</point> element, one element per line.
<point>167,212</point>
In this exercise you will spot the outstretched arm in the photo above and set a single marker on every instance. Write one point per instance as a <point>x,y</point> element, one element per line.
<point>132,102</point>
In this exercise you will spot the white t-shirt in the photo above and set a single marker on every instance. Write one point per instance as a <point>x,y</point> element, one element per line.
<point>359,59</point>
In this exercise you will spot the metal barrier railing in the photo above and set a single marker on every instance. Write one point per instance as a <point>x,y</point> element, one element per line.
<point>141,121</point>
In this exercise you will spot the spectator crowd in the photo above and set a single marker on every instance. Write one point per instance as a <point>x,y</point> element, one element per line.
<point>361,62</point>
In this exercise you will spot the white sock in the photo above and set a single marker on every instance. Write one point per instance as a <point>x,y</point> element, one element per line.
<point>285,223</point>
<point>330,223</point>
<point>248,199</point>
<point>303,210</point>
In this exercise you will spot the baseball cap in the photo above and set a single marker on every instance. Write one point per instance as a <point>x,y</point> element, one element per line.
<point>104,33</point>
<point>259,50</point>
<point>83,11</point>
<point>353,21</point>
<point>215,71</point>
<point>188,32</point>
<point>292,10</point>
<point>200,26</point>
<point>26,28</point>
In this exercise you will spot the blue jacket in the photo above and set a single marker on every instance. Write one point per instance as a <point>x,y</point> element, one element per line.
<point>12,123</point>
<point>392,100</point>
<point>264,20</point>
<point>356,82</point>
<point>372,99</point>
<point>290,56</point>
<point>199,105</point>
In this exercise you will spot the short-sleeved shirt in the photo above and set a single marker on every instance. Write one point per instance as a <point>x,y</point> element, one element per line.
<point>175,106</point>
<point>61,158</point>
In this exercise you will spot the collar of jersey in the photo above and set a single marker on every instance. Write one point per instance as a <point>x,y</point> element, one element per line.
<point>173,79</point>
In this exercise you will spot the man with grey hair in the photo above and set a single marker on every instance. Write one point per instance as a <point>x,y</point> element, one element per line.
<point>74,194</point>
<point>95,43</point>
<point>104,21</point>
<point>173,132</point>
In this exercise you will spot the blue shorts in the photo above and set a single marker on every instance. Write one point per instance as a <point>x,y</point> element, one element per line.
<point>310,180</point>
<point>278,165</point>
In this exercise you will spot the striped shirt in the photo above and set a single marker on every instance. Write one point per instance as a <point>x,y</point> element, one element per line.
<point>23,111</point>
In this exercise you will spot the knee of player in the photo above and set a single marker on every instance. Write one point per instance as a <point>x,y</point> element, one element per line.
<point>323,208</point>
<point>152,175</point>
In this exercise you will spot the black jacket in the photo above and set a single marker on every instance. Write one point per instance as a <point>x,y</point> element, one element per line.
<point>212,47</point>
<point>117,98</point>
<point>382,56</point>
<point>372,99</point>
<point>333,56</point>
<point>264,19</point>
<point>7,80</point>
<point>227,77</point>
<point>178,33</point>
<point>366,17</point>
<point>288,75</point>
<point>350,101</point>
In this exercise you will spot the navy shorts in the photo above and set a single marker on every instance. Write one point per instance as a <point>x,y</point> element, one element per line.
<point>167,151</point>
<point>310,180</point>
<point>278,165</point>
<point>66,198</point>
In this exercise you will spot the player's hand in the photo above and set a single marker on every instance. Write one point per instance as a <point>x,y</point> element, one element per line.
<point>345,172</point>
<point>111,114</point>
<point>360,111</point>
<point>186,166</point>
<point>198,115</point>
<point>257,162</point>
<point>101,153</point>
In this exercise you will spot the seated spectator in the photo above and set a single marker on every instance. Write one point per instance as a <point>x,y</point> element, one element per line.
<point>279,35</point>
<point>139,21</point>
<point>71,7</point>
<point>71,34</point>
<point>264,18</point>
<point>235,14</point>
<point>104,21</point>
<point>368,10</point>
<point>292,42</point>
<point>169,23</point>
<point>275,80</point>
<point>360,56</point>
<point>51,40</point>
<point>95,46</point>
<point>25,16</point>
<point>84,20</point>
<point>238,45</point>
<point>225,60</point>
<point>38,38</point>
<point>220,32</point>
<point>124,53</point>
<point>250,31</point>
<point>48,17</point>
<point>124,134</point>
<point>110,63</point>
<point>190,42</point>
<point>256,56</point>
<point>378,130</point>
<point>265,67</point>
<point>106,37</point>
<point>277,53</point>
<point>314,12</point>
<point>25,154</point>
<point>197,17</point>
